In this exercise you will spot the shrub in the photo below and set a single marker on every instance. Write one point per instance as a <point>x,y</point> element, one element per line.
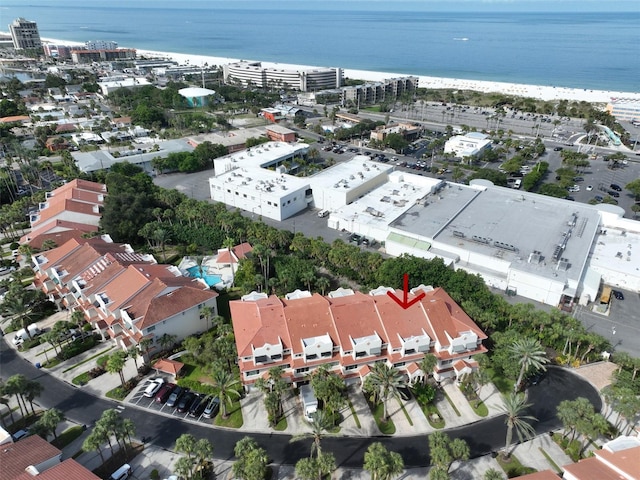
<point>102,361</point>
<point>144,369</point>
<point>76,348</point>
<point>196,386</point>
<point>14,245</point>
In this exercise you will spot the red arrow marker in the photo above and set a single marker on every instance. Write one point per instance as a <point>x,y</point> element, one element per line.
<point>405,303</point>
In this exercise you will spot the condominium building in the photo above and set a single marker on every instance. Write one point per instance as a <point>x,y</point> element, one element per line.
<point>257,75</point>
<point>101,45</point>
<point>88,56</point>
<point>378,92</point>
<point>349,331</point>
<point>24,34</point>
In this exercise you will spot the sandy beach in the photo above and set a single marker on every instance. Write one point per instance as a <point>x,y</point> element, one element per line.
<point>548,93</point>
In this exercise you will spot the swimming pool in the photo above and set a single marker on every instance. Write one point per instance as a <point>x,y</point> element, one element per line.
<point>211,280</point>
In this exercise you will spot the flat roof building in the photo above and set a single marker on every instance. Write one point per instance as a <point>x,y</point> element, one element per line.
<point>303,79</point>
<point>470,145</point>
<point>544,248</point>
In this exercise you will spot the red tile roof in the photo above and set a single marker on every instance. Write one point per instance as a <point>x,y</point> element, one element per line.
<point>15,457</point>
<point>172,367</point>
<point>541,475</point>
<point>67,470</point>
<point>15,118</point>
<point>306,318</point>
<point>355,316</point>
<point>257,323</point>
<point>239,252</point>
<point>60,237</point>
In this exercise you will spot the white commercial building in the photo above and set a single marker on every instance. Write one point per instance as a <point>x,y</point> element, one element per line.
<point>543,248</point>
<point>255,180</point>
<point>470,145</point>
<point>303,79</point>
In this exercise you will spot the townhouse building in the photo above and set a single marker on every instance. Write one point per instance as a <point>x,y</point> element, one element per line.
<point>350,331</point>
<point>67,212</point>
<point>126,296</point>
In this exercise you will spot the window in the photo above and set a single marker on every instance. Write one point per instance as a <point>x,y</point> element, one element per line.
<point>326,354</point>
<point>351,367</point>
<point>302,370</point>
<point>151,328</point>
<point>312,357</point>
<point>410,351</point>
<point>251,373</point>
<point>276,357</point>
<point>361,354</point>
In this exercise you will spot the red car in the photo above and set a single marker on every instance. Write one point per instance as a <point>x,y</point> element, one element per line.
<point>164,392</point>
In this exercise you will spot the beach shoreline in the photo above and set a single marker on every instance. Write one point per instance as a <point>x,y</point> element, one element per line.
<point>540,92</point>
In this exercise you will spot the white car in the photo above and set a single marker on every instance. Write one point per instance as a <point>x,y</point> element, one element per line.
<point>153,387</point>
<point>575,188</point>
<point>589,188</point>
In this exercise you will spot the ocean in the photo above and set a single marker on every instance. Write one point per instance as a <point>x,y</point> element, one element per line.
<point>597,50</point>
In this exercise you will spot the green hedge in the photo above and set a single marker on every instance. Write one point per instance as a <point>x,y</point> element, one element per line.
<point>76,348</point>
<point>196,386</point>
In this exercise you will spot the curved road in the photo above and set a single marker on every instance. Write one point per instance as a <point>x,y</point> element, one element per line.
<point>483,437</point>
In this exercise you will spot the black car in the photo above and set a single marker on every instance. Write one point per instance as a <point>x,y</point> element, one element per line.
<point>557,149</point>
<point>618,294</point>
<point>598,198</point>
<point>616,187</point>
<point>186,401</point>
<point>404,393</point>
<point>613,193</point>
<point>198,405</point>
<point>355,238</point>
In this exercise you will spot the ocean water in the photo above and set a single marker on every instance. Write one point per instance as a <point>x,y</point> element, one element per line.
<point>598,50</point>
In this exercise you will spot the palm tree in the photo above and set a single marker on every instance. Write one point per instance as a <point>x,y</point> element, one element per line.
<point>223,382</point>
<point>323,283</point>
<point>115,364</point>
<point>530,354</point>
<point>427,364</point>
<point>145,345</point>
<point>386,380</point>
<point>320,426</point>
<point>166,341</point>
<point>381,463</point>
<point>514,407</point>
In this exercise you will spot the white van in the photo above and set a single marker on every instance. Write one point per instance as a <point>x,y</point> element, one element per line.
<point>323,213</point>
<point>22,335</point>
<point>123,472</point>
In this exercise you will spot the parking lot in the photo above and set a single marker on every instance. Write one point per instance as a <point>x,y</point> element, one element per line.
<point>138,398</point>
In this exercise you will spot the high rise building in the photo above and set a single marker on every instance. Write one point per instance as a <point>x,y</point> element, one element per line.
<point>24,34</point>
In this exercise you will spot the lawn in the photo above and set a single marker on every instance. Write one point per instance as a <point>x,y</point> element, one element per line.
<point>68,436</point>
<point>433,415</point>
<point>504,385</point>
<point>386,427</point>
<point>234,420</point>
<point>512,466</point>
<point>81,379</point>
<point>479,408</point>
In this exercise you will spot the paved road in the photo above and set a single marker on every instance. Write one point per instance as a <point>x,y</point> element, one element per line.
<point>483,437</point>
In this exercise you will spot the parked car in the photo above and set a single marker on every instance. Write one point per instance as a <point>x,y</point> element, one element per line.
<point>165,391</point>
<point>198,405</point>
<point>185,401</point>
<point>355,238</point>
<point>174,398</point>
<point>618,294</point>
<point>153,387</point>
<point>212,408</point>
<point>404,393</point>
<point>598,198</point>
<point>557,149</point>
<point>613,193</point>
<point>616,187</point>
<point>589,188</point>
